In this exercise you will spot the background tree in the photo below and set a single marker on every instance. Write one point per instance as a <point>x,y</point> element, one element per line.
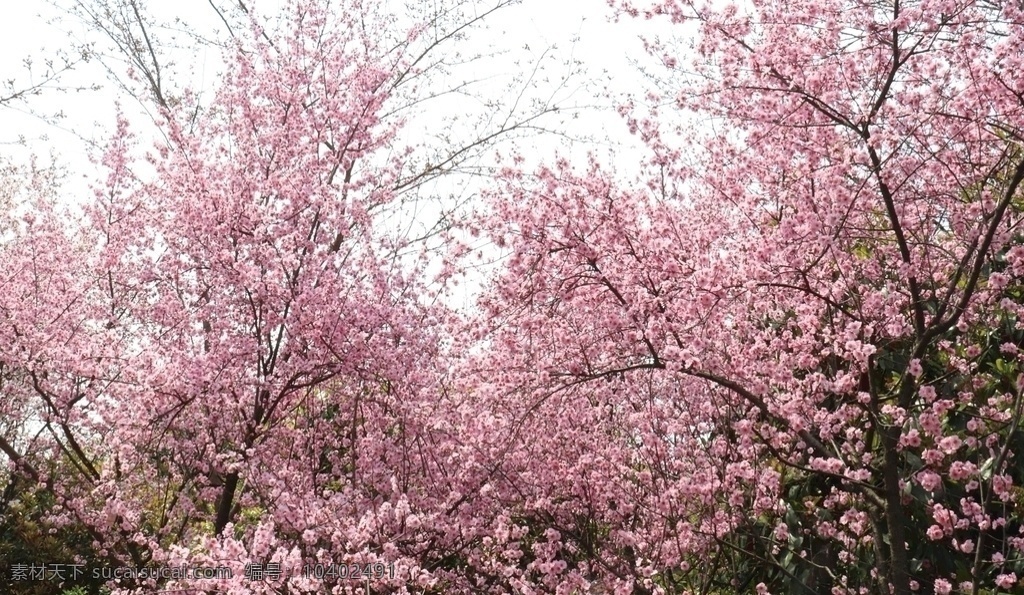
<point>797,337</point>
<point>231,345</point>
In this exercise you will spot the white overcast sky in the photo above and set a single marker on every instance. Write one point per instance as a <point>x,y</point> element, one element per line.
<point>28,30</point>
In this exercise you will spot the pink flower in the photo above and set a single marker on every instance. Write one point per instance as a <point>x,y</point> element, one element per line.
<point>930,423</point>
<point>942,587</point>
<point>915,369</point>
<point>929,480</point>
<point>960,470</point>
<point>1001,485</point>
<point>998,281</point>
<point>1006,581</point>
<point>950,444</point>
<point>932,457</point>
<point>911,439</point>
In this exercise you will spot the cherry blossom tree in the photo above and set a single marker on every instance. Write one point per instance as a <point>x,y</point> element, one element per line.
<point>228,357</point>
<point>786,359</point>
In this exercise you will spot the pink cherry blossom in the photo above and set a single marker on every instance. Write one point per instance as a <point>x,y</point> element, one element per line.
<point>1006,581</point>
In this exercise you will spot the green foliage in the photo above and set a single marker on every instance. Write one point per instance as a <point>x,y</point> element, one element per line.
<point>27,536</point>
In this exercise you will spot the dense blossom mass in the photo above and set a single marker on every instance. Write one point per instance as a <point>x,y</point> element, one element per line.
<point>785,358</point>
<point>791,350</point>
